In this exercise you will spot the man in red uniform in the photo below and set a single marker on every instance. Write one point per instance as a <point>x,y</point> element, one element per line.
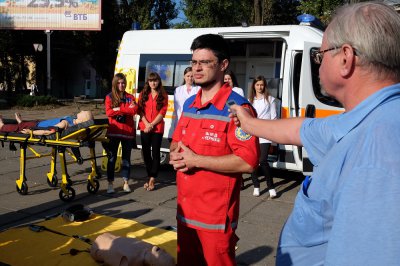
<point>210,154</point>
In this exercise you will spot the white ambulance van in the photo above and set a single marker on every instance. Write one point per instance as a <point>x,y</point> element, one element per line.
<point>279,53</point>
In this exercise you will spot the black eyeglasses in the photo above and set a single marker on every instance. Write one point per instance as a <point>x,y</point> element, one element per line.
<point>317,56</point>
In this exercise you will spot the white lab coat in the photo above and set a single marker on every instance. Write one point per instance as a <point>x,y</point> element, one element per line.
<point>265,110</point>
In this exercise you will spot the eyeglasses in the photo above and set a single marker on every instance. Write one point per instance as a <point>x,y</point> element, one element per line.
<point>204,63</point>
<point>317,56</point>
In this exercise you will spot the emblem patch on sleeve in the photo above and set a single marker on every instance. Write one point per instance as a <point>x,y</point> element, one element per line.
<point>241,135</point>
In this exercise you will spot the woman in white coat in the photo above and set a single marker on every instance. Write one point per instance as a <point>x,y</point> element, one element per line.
<point>265,106</point>
<point>182,93</point>
<point>229,77</point>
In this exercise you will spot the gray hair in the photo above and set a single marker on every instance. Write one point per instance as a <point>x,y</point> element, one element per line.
<point>373,29</point>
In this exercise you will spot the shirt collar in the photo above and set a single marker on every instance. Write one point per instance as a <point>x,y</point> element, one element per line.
<point>349,120</point>
<point>219,99</point>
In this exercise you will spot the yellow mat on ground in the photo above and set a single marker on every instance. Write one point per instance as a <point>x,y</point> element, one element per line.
<point>22,246</point>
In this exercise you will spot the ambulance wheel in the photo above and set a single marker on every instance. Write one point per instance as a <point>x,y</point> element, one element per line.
<point>93,189</point>
<point>24,189</point>
<point>69,196</point>
<point>53,182</point>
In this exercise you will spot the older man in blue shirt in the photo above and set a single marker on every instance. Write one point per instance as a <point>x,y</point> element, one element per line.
<point>347,212</point>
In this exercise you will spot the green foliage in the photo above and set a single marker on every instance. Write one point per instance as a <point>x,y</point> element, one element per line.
<point>321,9</point>
<point>150,13</point>
<point>14,47</point>
<point>220,13</point>
<point>274,12</point>
<point>99,47</point>
<point>285,12</point>
<point>216,13</point>
<point>164,11</point>
<point>182,25</point>
<point>30,101</point>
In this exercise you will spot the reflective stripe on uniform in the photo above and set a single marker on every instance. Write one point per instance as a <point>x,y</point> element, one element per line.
<point>207,116</point>
<point>200,224</point>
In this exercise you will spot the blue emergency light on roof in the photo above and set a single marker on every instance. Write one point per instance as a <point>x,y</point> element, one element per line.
<point>310,20</point>
<point>136,25</point>
<point>305,19</point>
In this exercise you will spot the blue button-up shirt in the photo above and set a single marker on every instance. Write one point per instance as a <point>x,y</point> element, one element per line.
<point>350,213</point>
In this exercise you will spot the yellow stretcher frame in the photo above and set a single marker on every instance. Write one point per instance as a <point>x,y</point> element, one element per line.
<point>118,162</point>
<point>60,143</point>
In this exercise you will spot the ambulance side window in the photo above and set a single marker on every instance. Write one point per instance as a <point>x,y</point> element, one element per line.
<point>170,67</point>
<point>296,82</point>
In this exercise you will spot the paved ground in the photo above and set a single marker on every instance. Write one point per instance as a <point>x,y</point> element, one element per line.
<point>261,219</point>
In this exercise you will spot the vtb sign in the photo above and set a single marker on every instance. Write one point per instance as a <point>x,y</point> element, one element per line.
<point>50,14</point>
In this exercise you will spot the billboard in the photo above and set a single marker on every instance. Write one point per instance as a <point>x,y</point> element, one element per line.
<point>50,14</point>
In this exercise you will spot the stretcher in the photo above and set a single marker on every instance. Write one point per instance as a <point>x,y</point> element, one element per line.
<point>61,142</point>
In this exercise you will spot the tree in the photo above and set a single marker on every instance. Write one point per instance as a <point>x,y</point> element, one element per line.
<point>285,12</point>
<point>15,48</point>
<point>212,13</point>
<point>274,12</point>
<point>150,14</point>
<point>99,47</point>
<point>321,9</point>
<point>118,18</point>
<point>164,12</point>
<point>220,13</point>
<point>135,11</point>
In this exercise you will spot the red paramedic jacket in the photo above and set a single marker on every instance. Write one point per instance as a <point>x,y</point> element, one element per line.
<point>128,108</point>
<point>208,200</point>
<point>150,113</point>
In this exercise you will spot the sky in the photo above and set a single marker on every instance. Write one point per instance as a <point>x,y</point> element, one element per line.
<point>181,16</point>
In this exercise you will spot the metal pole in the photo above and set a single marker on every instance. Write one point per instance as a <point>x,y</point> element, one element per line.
<point>48,33</point>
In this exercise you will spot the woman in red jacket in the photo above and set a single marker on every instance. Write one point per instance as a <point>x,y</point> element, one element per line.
<point>120,109</point>
<point>153,104</point>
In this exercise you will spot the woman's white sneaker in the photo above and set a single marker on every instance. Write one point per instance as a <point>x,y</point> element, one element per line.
<point>127,189</point>
<point>272,193</point>
<point>256,192</point>
<point>110,188</point>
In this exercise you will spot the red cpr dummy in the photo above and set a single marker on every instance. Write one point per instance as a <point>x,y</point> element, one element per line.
<point>125,251</point>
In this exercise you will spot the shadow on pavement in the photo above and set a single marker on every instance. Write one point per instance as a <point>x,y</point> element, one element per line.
<point>251,257</point>
<point>118,205</point>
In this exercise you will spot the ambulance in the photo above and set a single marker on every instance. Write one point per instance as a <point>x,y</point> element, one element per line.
<point>279,53</point>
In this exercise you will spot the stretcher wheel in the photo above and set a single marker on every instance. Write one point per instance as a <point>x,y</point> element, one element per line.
<point>53,182</point>
<point>79,160</point>
<point>69,196</point>
<point>93,189</point>
<point>24,189</point>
